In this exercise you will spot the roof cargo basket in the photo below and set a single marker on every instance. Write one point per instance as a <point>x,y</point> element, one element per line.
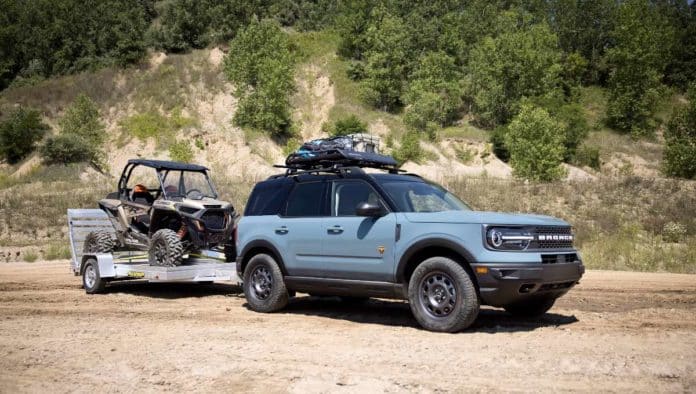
<point>355,150</point>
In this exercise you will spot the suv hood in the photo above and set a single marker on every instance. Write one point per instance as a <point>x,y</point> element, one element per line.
<point>480,217</point>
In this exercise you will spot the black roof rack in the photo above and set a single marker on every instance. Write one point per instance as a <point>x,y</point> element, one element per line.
<point>337,158</point>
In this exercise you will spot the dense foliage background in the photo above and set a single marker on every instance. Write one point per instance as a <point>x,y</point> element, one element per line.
<point>435,62</point>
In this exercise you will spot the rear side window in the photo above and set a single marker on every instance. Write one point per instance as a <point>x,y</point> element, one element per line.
<point>306,199</point>
<point>268,198</point>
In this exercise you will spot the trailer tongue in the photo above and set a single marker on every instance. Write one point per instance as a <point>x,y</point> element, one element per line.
<point>98,269</point>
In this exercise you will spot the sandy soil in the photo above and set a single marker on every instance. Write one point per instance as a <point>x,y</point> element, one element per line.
<point>617,331</point>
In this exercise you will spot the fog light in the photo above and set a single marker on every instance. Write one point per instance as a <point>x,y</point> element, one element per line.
<point>482,270</point>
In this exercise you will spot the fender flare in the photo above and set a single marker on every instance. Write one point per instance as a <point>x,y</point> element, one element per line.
<point>428,243</point>
<point>260,243</point>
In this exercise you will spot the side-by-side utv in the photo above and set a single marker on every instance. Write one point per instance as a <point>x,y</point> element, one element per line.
<point>179,215</point>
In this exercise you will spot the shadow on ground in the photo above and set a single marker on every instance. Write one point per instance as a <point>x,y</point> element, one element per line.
<point>173,290</point>
<point>398,313</point>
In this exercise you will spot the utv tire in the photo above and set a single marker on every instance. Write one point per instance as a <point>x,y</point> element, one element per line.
<point>264,287</point>
<point>532,307</point>
<point>166,249</point>
<point>98,242</point>
<point>91,280</point>
<point>442,296</point>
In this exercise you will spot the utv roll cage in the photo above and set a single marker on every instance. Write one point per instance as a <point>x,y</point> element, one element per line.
<point>158,166</point>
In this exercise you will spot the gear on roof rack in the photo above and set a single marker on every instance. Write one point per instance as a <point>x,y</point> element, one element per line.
<point>340,152</point>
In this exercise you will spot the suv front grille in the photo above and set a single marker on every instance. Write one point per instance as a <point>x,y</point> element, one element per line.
<point>214,220</point>
<point>546,237</point>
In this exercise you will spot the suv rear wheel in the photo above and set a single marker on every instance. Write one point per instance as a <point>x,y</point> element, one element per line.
<point>532,307</point>
<point>442,296</point>
<point>264,287</point>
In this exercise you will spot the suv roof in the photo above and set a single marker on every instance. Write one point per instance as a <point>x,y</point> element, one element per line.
<point>167,165</point>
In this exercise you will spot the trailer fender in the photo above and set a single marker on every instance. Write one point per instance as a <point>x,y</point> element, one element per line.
<point>105,262</point>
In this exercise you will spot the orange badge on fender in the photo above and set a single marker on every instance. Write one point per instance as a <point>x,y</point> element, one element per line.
<point>380,249</point>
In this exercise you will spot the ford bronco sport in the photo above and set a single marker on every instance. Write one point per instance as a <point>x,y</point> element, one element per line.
<point>338,230</point>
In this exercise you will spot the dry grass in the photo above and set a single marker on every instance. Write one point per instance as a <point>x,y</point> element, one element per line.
<point>618,221</point>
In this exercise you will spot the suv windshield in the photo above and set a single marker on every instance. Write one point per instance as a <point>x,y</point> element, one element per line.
<point>422,197</point>
<point>189,184</point>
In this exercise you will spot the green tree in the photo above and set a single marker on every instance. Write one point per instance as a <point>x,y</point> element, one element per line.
<point>261,66</point>
<point>535,142</point>
<point>522,61</point>
<point>81,135</point>
<point>643,41</point>
<point>351,24</point>
<point>386,60</point>
<point>584,28</point>
<point>350,124</point>
<point>679,158</point>
<point>434,96</point>
<point>19,134</point>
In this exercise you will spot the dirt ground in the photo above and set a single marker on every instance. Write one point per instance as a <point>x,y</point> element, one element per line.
<point>617,331</point>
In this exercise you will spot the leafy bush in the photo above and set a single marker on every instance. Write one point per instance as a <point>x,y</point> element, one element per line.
<point>81,135</point>
<point>146,125</point>
<point>57,252</point>
<point>181,151</point>
<point>410,149</point>
<point>679,158</point>
<point>20,133</point>
<point>261,65</point>
<point>535,142</point>
<point>66,148</point>
<point>30,256</point>
<point>350,124</point>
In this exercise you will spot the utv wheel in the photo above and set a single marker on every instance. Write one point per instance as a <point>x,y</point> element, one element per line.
<point>264,287</point>
<point>166,249</point>
<point>91,281</point>
<point>99,242</point>
<point>532,307</point>
<point>442,296</point>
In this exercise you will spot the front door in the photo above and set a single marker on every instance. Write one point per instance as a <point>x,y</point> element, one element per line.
<point>356,247</point>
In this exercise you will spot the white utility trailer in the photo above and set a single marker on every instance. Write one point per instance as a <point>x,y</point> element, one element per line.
<point>98,269</point>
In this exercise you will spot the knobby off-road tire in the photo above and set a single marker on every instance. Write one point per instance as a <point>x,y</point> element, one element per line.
<point>264,287</point>
<point>91,280</point>
<point>442,296</point>
<point>532,307</point>
<point>99,242</point>
<point>166,249</point>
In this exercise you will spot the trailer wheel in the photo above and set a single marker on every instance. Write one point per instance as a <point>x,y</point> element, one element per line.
<point>264,287</point>
<point>91,281</point>
<point>166,249</point>
<point>99,242</point>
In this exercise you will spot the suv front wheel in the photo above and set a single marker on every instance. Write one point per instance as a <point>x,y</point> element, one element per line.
<point>442,296</point>
<point>264,287</point>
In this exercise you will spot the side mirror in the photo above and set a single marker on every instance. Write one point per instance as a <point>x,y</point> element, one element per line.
<point>369,210</point>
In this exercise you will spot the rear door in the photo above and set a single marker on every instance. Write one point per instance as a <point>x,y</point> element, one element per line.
<point>298,231</point>
<point>357,247</point>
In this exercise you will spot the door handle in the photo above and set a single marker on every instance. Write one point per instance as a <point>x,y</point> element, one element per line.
<point>335,230</point>
<point>281,230</point>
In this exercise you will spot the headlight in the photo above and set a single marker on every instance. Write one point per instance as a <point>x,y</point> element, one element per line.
<point>505,238</point>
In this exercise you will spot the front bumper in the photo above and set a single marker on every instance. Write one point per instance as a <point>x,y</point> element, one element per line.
<point>504,284</point>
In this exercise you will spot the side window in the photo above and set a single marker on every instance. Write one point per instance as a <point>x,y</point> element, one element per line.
<point>306,199</point>
<point>268,198</point>
<point>347,195</point>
